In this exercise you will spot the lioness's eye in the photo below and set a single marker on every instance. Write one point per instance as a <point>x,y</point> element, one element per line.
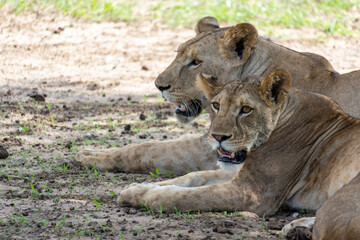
<point>194,63</point>
<point>215,106</point>
<point>245,110</point>
<point>197,61</point>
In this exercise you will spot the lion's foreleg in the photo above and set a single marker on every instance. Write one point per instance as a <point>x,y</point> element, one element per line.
<point>177,156</point>
<point>224,196</point>
<point>202,178</point>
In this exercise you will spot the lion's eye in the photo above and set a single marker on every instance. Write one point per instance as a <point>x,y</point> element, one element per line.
<point>197,61</point>
<point>194,63</point>
<point>215,106</point>
<point>245,110</point>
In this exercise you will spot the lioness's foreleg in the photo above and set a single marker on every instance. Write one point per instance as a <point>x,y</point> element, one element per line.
<point>201,178</point>
<point>223,196</point>
<point>177,156</point>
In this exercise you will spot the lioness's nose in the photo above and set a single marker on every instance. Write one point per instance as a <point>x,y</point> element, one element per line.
<point>163,88</point>
<point>221,138</point>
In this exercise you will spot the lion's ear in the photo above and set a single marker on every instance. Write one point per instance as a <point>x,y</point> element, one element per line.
<point>275,87</point>
<point>239,42</point>
<point>209,85</point>
<point>206,24</point>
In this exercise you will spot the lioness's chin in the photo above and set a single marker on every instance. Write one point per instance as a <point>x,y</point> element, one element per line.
<point>188,111</point>
<point>229,166</point>
<point>231,157</point>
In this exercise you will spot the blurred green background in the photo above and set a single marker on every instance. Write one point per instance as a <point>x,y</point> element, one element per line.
<point>334,17</point>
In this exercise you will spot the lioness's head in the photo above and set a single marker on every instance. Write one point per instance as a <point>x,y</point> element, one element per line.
<point>218,52</point>
<point>244,112</point>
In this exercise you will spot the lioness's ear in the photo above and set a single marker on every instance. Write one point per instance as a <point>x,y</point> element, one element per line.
<point>206,24</point>
<point>209,85</point>
<point>275,87</point>
<point>239,42</point>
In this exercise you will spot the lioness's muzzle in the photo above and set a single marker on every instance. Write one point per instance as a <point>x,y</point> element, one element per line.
<point>191,108</point>
<point>239,157</point>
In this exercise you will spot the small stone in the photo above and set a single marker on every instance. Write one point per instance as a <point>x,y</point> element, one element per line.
<point>58,30</point>
<point>37,97</point>
<point>142,136</point>
<point>3,152</point>
<point>127,127</point>
<point>145,68</point>
<point>142,116</point>
<point>132,211</point>
<point>92,86</point>
<point>295,215</point>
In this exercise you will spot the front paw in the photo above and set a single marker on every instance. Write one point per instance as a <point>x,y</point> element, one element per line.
<point>135,194</point>
<point>103,159</point>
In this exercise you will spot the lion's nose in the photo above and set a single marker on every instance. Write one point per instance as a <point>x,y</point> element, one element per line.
<point>221,138</point>
<point>163,88</point>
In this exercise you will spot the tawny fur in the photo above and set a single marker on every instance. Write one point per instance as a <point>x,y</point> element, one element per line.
<point>305,149</point>
<point>309,71</point>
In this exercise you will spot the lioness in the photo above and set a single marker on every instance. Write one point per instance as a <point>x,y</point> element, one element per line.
<point>226,54</point>
<point>278,144</point>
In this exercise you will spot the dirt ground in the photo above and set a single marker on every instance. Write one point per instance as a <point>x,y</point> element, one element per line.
<point>92,82</point>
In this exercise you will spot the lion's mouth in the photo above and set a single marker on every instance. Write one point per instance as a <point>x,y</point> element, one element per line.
<point>189,109</point>
<point>231,157</point>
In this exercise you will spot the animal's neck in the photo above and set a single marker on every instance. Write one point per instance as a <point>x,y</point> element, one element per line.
<point>306,122</point>
<point>268,56</point>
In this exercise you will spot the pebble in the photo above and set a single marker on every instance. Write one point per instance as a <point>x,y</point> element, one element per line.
<point>132,211</point>
<point>143,136</point>
<point>92,87</point>
<point>37,97</point>
<point>142,116</point>
<point>295,215</point>
<point>127,127</point>
<point>3,153</point>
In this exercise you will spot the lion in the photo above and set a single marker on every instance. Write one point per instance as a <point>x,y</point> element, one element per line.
<point>225,54</point>
<point>276,145</point>
<point>234,53</point>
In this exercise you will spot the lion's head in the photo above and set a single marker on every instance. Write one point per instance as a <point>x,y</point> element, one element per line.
<point>218,52</point>
<point>244,112</point>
